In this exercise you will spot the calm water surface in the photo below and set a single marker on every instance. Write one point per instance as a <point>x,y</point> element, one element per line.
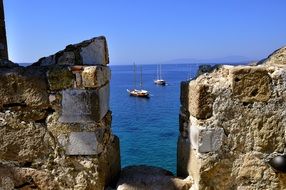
<point>148,128</point>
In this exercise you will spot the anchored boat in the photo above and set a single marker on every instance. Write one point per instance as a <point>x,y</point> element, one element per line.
<point>159,80</point>
<point>138,92</point>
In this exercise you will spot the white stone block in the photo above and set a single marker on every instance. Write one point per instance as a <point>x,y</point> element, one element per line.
<point>206,139</point>
<point>94,53</point>
<point>81,106</point>
<point>104,94</point>
<point>52,98</point>
<point>81,143</point>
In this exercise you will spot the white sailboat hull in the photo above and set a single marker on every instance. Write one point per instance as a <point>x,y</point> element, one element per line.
<point>135,92</point>
<point>160,82</point>
<point>138,93</point>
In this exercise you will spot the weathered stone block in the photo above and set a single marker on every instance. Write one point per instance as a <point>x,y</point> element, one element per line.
<point>60,78</point>
<point>22,142</point>
<point>29,114</point>
<point>80,106</point>
<point>250,84</point>
<point>278,57</point>
<point>197,98</point>
<point>23,87</point>
<point>25,178</point>
<point>95,53</point>
<point>81,143</point>
<point>67,58</point>
<point>251,168</point>
<point>104,94</point>
<point>205,140</point>
<point>200,100</point>
<point>95,76</point>
<point>89,52</point>
<point>45,61</point>
<point>57,128</point>
<point>268,133</point>
<point>231,150</point>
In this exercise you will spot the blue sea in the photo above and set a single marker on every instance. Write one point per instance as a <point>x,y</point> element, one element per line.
<point>148,128</point>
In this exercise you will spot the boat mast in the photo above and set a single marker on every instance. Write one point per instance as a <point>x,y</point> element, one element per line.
<point>134,75</point>
<point>157,72</point>
<point>141,83</point>
<point>160,73</point>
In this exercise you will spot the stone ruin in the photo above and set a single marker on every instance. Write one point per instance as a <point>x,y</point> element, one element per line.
<point>232,124</point>
<point>3,39</point>
<point>55,125</point>
<point>55,122</point>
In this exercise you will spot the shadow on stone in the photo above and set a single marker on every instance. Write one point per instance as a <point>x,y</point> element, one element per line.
<point>143,177</point>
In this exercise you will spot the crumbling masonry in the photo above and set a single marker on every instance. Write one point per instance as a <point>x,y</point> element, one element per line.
<point>55,122</point>
<point>55,125</point>
<point>232,123</point>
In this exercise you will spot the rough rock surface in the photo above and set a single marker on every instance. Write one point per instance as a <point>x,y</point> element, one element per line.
<point>38,150</point>
<point>250,84</point>
<point>62,74</point>
<point>20,141</point>
<point>89,52</point>
<point>25,87</point>
<point>278,57</point>
<point>3,38</point>
<point>25,178</point>
<point>248,117</point>
<point>147,177</point>
<point>6,63</point>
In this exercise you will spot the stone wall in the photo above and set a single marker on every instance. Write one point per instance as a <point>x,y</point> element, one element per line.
<point>232,123</point>
<point>55,122</point>
<point>3,38</point>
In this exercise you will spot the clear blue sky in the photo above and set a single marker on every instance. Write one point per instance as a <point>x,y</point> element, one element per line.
<point>147,31</point>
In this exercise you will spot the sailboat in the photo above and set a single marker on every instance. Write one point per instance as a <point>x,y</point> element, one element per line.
<point>135,92</point>
<point>159,80</point>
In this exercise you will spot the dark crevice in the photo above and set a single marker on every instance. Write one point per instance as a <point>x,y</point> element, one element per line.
<point>236,79</point>
<point>248,104</point>
<point>27,164</point>
<point>41,121</point>
<point>226,133</point>
<point>28,184</point>
<point>254,92</point>
<point>245,103</point>
<point>22,104</point>
<point>50,110</point>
